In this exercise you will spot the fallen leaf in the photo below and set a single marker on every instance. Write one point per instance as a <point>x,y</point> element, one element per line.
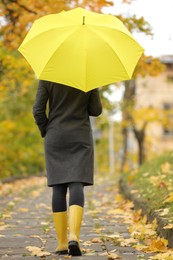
<point>162,184</point>
<point>154,180</point>
<point>35,194</point>
<point>103,254</point>
<point>44,223</point>
<point>166,167</point>
<point>11,203</point>
<point>134,191</point>
<point>119,198</point>
<point>115,211</point>
<point>113,256</point>
<point>116,235</point>
<point>7,215</point>
<point>169,226</point>
<point>23,209</point>
<point>137,215</point>
<point>88,251</point>
<point>170,198</point>
<point>42,205</point>
<point>87,243</point>
<point>96,240</point>
<point>4,226</point>
<point>128,241</point>
<point>163,256</point>
<point>157,245</point>
<point>146,174</point>
<point>113,250</point>
<point>37,251</point>
<point>164,212</point>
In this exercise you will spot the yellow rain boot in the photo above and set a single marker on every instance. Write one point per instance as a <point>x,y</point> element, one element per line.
<point>75,220</point>
<point>60,222</point>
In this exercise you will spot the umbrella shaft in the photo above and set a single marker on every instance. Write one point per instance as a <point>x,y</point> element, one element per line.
<point>83,20</point>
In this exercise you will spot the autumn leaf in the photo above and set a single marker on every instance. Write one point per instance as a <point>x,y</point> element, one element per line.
<point>115,211</point>
<point>6,215</point>
<point>166,167</point>
<point>23,209</point>
<point>163,256</point>
<point>104,253</point>
<point>163,212</point>
<point>113,256</point>
<point>169,226</point>
<point>137,215</point>
<point>3,227</point>
<point>170,198</point>
<point>37,251</point>
<point>128,241</point>
<point>88,251</point>
<point>87,243</point>
<point>157,245</point>
<point>96,240</point>
<point>119,198</point>
<point>35,193</point>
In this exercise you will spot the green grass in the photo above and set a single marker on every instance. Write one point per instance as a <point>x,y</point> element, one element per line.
<point>153,182</point>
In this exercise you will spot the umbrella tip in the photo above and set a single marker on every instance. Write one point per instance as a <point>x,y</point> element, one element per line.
<point>83,20</point>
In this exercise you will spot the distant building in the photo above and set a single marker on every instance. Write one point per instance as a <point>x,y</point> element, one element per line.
<point>157,92</point>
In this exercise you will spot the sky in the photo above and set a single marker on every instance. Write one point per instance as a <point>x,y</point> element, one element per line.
<point>159,14</point>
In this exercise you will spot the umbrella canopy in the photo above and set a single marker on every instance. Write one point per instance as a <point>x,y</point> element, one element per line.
<point>80,48</point>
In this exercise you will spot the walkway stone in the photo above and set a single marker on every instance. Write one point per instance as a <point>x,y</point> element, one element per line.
<point>26,222</point>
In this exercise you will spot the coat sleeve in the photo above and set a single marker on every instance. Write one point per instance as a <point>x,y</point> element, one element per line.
<point>94,104</point>
<point>39,108</point>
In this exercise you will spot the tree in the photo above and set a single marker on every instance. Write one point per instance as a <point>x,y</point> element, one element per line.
<point>147,66</point>
<point>18,15</point>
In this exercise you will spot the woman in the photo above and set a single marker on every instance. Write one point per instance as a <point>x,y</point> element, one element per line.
<point>68,153</point>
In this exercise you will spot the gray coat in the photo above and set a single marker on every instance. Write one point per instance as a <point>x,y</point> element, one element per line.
<point>68,137</point>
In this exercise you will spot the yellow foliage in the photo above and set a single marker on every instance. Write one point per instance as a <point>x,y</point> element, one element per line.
<point>169,226</point>
<point>145,114</point>
<point>166,167</point>
<point>170,198</point>
<point>163,256</point>
<point>3,91</point>
<point>6,125</point>
<point>37,251</point>
<point>157,245</point>
<point>20,146</point>
<point>149,66</point>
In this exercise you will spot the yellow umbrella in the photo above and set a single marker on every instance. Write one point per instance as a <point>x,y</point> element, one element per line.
<point>80,48</point>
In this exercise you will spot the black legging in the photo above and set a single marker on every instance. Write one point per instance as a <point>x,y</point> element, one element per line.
<point>76,196</point>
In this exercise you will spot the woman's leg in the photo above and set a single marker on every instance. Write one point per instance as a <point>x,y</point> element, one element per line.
<point>59,203</point>
<point>76,190</point>
<point>59,208</point>
<point>76,204</point>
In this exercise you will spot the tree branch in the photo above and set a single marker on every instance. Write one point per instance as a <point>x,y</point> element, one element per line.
<point>20,5</point>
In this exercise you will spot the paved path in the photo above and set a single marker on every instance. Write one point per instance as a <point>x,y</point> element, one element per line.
<point>26,222</point>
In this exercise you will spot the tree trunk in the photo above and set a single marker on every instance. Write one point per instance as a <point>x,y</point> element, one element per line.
<point>140,137</point>
<point>124,149</point>
<point>141,152</point>
<point>127,104</point>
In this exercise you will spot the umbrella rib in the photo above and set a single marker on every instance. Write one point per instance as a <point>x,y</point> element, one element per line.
<point>96,32</point>
<point>38,35</point>
<point>59,47</point>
